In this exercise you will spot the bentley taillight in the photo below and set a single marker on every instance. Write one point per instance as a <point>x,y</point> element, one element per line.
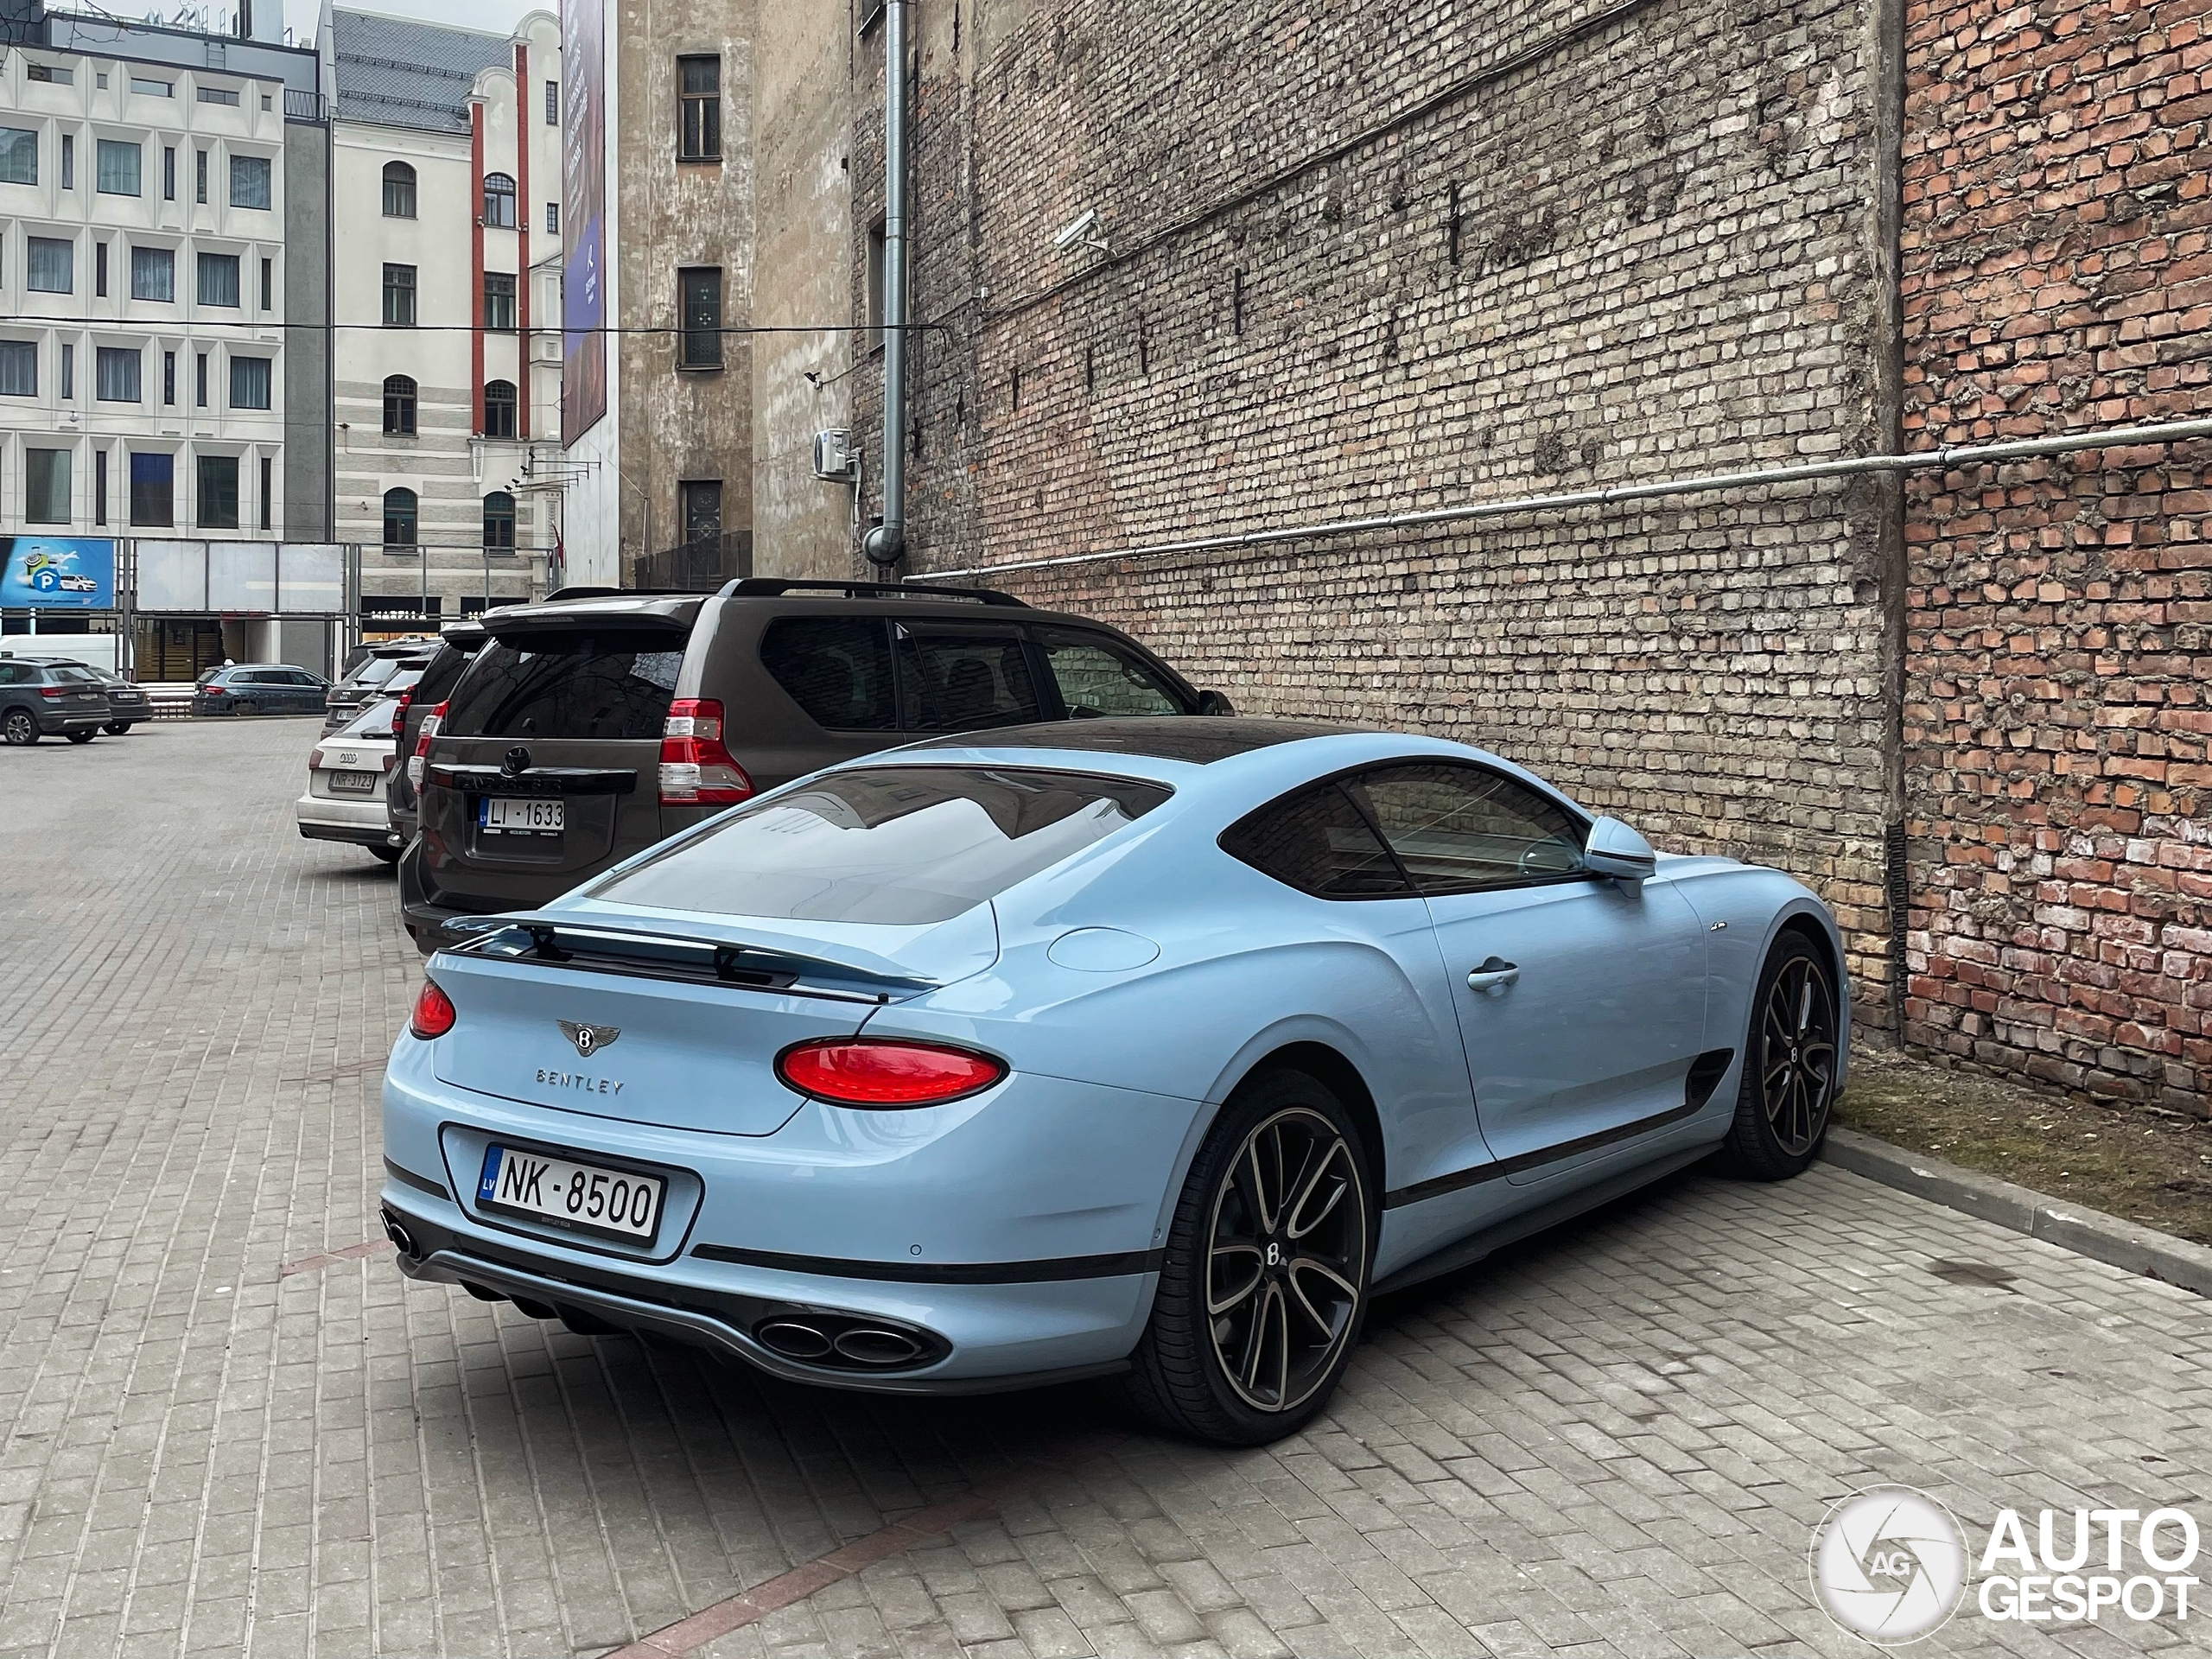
<point>886,1073</point>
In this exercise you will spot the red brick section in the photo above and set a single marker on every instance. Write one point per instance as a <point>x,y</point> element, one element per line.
<point>2057,277</point>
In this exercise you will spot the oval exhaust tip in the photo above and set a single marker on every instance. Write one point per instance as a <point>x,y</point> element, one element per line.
<point>402,1239</point>
<point>793,1340</point>
<point>869,1345</point>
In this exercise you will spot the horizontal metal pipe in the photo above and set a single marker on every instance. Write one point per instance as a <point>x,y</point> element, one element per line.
<point>1982,454</point>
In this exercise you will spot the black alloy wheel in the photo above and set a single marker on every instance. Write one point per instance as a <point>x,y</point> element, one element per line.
<point>19,728</point>
<point>1265,1282</point>
<point>1284,1258</point>
<point>1789,1070</point>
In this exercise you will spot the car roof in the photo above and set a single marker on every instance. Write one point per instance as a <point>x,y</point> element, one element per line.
<point>1251,757</point>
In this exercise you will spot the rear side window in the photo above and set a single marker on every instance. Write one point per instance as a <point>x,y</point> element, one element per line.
<point>611,685</point>
<point>373,673</point>
<point>837,669</point>
<point>892,844</point>
<point>441,674</point>
<point>966,679</point>
<point>1320,843</point>
<point>1099,675</point>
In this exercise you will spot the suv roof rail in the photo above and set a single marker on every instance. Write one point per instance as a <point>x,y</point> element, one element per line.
<point>768,586</point>
<point>617,593</point>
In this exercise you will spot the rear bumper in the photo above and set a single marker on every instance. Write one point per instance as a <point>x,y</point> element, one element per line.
<point>1014,1234</point>
<point>365,823</point>
<point>53,725</point>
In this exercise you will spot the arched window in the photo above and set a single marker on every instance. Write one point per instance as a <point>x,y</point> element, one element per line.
<point>500,521</point>
<point>500,409</point>
<point>499,201</point>
<point>400,518</point>
<point>399,405</point>
<point>398,190</point>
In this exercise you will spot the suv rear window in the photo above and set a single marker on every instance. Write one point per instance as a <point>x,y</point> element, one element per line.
<point>890,844</point>
<point>610,685</point>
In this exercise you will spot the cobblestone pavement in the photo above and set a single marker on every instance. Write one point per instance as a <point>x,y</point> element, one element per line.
<point>1614,1439</point>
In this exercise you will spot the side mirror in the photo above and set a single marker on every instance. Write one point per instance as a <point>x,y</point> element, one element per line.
<point>1212,703</point>
<point>1615,849</point>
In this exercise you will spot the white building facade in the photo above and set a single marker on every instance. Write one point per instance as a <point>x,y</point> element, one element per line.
<point>447,182</point>
<point>153,211</point>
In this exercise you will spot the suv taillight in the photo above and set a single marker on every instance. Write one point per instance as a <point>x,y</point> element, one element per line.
<point>399,712</point>
<point>419,762</point>
<point>695,770</point>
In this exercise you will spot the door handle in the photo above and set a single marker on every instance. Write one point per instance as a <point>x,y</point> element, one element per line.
<point>1495,975</point>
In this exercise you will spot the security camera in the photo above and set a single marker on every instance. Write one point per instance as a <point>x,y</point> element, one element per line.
<point>1081,233</point>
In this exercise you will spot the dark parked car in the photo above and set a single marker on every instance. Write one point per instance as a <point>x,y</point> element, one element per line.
<point>373,677</point>
<point>418,704</point>
<point>127,700</point>
<point>49,700</point>
<point>594,724</point>
<point>259,688</point>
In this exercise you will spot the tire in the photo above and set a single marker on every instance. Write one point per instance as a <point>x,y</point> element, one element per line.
<point>1788,1093</point>
<point>19,727</point>
<point>385,854</point>
<point>116,728</point>
<point>1243,1370</point>
<point>244,709</point>
<point>80,737</point>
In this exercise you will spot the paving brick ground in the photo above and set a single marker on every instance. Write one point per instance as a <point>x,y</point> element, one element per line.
<point>1614,1440</point>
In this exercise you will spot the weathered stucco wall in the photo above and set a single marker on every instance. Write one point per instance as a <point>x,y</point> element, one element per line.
<point>683,424</point>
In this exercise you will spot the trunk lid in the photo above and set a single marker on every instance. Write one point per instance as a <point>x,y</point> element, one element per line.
<point>676,1040</point>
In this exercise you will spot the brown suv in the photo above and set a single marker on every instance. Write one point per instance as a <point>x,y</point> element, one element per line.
<point>595,723</point>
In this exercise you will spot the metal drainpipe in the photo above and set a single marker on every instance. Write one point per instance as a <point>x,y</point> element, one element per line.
<point>885,542</point>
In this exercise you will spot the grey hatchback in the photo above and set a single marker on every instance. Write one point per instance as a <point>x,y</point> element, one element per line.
<point>594,724</point>
<point>50,700</point>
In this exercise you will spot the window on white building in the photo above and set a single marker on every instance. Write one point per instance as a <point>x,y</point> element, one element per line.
<point>499,201</point>
<point>498,302</point>
<point>399,296</point>
<point>499,407</point>
<point>153,274</point>
<point>219,95</point>
<point>117,164</point>
<point>249,381</point>
<point>398,190</point>
<point>115,374</point>
<point>18,156</point>
<point>50,265</point>
<point>18,368</point>
<point>250,182</point>
<point>218,279</point>
<point>219,491</point>
<point>45,486</point>
<point>399,405</point>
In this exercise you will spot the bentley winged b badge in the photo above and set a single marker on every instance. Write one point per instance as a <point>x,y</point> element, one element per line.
<point>589,1039</point>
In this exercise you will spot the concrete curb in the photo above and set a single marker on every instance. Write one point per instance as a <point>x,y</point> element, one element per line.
<point>2092,1233</point>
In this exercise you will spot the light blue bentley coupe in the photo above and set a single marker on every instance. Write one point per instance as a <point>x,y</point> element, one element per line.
<point>1144,1048</point>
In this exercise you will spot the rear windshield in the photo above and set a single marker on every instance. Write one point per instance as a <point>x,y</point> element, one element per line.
<point>890,844</point>
<point>588,685</point>
<point>375,721</point>
<point>71,676</point>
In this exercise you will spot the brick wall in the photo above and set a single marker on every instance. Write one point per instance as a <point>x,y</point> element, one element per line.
<point>2055,276</point>
<point>1633,242</point>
